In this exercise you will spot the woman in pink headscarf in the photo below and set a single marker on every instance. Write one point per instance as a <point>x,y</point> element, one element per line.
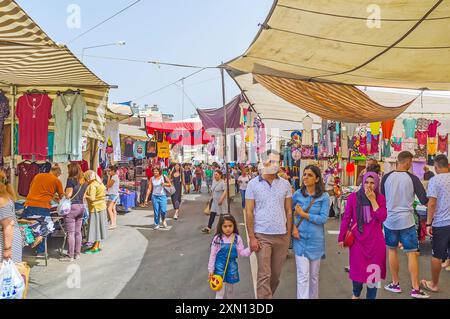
<point>364,215</point>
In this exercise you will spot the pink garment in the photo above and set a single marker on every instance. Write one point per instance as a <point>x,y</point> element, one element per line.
<point>443,143</point>
<point>374,144</point>
<point>242,251</point>
<point>363,145</point>
<point>33,112</point>
<point>432,128</point>
<point>421,137</point>
<point>369,248</point>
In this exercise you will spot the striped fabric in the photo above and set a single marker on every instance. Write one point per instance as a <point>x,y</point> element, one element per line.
<point>29,59</point>
<point>338,102</point>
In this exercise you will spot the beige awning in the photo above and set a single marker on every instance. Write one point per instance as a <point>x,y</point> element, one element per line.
<point>30,59</point>
<point>333,41</point>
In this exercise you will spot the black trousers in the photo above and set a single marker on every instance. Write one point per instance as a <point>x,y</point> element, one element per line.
<point>212,216</point>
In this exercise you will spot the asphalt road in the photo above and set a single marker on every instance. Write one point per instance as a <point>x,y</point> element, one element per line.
<point>139,262</point>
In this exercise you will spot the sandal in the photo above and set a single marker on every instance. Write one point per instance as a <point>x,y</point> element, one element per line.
<point>93,251</point>
<point>425,286</point>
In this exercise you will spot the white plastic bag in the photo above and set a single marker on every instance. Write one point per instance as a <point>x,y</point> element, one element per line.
<point>12,284</point>
<point>64,207</point>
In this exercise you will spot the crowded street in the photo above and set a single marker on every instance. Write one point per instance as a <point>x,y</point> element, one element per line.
<point>259,152</point>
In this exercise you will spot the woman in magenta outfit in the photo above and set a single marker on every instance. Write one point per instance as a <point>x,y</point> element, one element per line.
<point>365,213</point>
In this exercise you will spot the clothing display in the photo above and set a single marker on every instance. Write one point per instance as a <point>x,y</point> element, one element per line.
<point>128,150</point>
<point>163,149</point>
<point>44,167</point>
<point>33,112</point>
<point>398,129</point>
<point>351,128</point>
<point>444,128</point>
<point>420,152</point>
<point>397,144</point>
<point>421,137</point>
<point>26,172</point>
<point>432,128</point>
<point>387,148</point>
<point>410,127</point>
<point>387,127</point>
<point>409,145</point>
<point>422,124</point>
<point>139,150</point>
<point>112,138</point>
<point>432,146</point>
<point>375,128</point>
<point>4,113</point>
<point>363,145</point>
<point>374,144</point>
<point>443,143</point>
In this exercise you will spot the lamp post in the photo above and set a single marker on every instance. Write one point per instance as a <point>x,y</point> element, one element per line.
<point>118,43</point>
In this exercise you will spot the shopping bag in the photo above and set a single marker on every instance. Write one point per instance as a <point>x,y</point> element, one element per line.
<point>64,207</point>
<point>24,270</point>
<point>12,284</point>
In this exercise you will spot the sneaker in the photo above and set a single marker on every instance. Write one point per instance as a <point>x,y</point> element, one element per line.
<point>175,217</point>
<point>393,288</point>
<point>419,294</point>
<point>157,227</point>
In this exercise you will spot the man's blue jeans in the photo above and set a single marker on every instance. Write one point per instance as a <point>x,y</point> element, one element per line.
<point>159,207</point>
<point>243,197</point>
<point>37,211</point>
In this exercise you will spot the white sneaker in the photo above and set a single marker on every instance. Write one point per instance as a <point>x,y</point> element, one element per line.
<point>157,227</point>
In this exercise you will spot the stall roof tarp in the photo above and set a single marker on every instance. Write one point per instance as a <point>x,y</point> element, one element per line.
<point>338,41</point>
<point>183,133</point>
<point>344,103</point>
<point>30,59</point>
<point>213,119</point>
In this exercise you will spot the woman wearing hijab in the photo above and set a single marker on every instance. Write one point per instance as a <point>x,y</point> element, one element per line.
<point>364,215</point>
<point>98,219</point>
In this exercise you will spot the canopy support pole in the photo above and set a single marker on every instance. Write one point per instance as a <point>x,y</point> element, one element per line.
<point>13,120</point>
<point>225,139</point>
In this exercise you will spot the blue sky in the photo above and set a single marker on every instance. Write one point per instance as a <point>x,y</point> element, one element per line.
<point>198,32</point>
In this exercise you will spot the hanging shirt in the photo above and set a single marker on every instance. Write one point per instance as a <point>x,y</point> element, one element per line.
<point>387,128</point>
<point>128,150</point>
<point>397,144</point>
<point>444,128</point>
<point>375,128</point>
<point>75,117</point>
<point>421,137</point>
<point>112,135</point>
<point>26,173</point>
<point>139,150</point>
<point>432,146</point>
<point>432,128</point>
<point>397,131</point>
<point>409,145</point>
<point>421,152</point>
<point>374,144</point>
<point>33,112</point>
<point>410,127</point>
<point>351,129</point>
<point>422,124</point>
<point>4,113</point>
<point>387,148</point>
<point>443,143</point>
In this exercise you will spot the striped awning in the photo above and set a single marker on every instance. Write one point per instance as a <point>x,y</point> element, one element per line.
<point>338,102</point>
<point>30,59</point>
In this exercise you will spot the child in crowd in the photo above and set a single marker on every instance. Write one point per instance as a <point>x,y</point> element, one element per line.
<point>227,234</point>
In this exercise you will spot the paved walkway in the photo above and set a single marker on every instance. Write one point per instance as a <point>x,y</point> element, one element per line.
<point>139,262</point>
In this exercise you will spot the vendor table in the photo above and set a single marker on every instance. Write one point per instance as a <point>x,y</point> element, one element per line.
<point>128,200</point>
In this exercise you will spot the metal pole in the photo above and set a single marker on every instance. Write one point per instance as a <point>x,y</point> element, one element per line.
<point>13,119</point>
<point>182,118</point>
<point>225,139</point>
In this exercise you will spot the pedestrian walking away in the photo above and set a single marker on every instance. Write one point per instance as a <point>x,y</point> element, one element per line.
<point>400,188</point>
<point>219,203</point>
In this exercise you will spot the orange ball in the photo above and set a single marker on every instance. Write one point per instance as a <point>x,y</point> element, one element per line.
<point>216,282</point>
